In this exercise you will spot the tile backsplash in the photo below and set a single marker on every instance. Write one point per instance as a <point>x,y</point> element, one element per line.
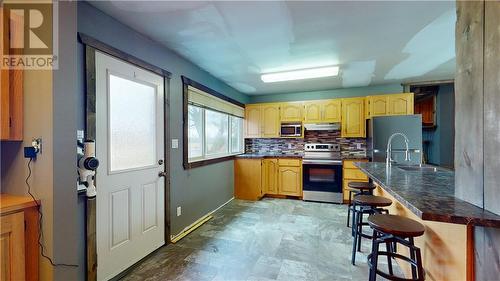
<point>349,146</point>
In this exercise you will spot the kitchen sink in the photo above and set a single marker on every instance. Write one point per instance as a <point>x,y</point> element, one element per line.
<point>419,168</point>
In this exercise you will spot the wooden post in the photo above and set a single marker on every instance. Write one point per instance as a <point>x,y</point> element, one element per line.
<point>469,102</point>
<point>477,105</point>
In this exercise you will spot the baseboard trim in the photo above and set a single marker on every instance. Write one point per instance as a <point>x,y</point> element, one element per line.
<point>175,238</point>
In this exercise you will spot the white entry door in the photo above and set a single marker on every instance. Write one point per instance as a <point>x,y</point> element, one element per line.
<point>130,148</point>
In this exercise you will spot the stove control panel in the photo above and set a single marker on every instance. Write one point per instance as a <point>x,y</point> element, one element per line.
<point>322,147</point>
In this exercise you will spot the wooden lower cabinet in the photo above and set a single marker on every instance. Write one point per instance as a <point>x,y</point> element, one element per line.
<point>255,178</point>
<point>18,238</point>
<point>290,180</point>
<point>12,247</point>
<point>351,173</point>
<point>248,179</point>
<point>270,176</point>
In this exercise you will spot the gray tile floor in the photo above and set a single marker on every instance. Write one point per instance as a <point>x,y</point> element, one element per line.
<point>272,239</point>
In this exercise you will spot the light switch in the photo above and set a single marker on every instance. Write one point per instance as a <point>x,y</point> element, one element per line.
<point>175,143</point>
<point>80,134</point>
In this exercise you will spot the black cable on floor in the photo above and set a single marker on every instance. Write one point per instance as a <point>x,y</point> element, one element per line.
<point>40,219</point>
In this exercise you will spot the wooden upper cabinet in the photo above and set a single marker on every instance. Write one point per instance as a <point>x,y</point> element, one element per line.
<point>378,105</point>
<point>11,95</point>
<point>426,107</point>
<point>332,111</point>
<point>11,98</point>
<point>270,176</point>
<point>313,112</point>
<point>4,111</point>
<point>264,120</point>
<point>291,112</point>
<point>400,104</point>
<point>290,180</point>
<point>322,111</point>
<point>270,121</point>
<point>353,118</point>
<point>367,108</point>
<point>253,118</point>
<point>392,104</point>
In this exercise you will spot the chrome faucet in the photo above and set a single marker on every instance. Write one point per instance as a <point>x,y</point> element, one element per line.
<point>388,158</point>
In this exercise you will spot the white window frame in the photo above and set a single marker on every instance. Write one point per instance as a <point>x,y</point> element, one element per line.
<point>229,152</point>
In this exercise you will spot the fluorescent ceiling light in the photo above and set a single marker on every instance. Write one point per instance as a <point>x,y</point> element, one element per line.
<point>300,74</point>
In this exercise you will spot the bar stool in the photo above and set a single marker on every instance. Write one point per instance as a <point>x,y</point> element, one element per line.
<point>392,229</point>
<point>357,188</point>
<point>365,204</point>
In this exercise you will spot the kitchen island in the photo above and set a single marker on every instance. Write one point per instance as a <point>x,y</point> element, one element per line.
<point>428,196</point>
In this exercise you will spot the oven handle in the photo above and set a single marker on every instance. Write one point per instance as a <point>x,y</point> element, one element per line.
<point>322,161</point>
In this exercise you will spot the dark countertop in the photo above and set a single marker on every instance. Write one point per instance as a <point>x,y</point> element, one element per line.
<point>429,195</point>
<point>270,155</point>
<point>292,155</point>
<point>354,157</point>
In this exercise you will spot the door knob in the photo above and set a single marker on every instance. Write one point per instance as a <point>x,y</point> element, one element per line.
<point>162,174</point>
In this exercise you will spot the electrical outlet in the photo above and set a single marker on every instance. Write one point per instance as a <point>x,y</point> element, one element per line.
<point>290,146</point>
<point>80,134</point>
<point>179,211</point>
<point>37,144</point>
<point>358,145</point>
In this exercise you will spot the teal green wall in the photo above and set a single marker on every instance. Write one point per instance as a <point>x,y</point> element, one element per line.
<point>442,138</point>
<point>328,94</point>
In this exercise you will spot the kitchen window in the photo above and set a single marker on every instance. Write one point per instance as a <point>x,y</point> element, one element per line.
<point>213,131</point>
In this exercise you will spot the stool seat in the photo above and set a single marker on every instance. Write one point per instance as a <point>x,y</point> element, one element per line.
<point>372,201</point>
<point>396,225</point>
<point>361,185</point>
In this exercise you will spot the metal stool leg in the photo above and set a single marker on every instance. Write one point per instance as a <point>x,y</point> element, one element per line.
<point>412,256</point>
<point>354,241</point>
<point>421,273</point>
<point>388,246</point>
<point>359,224</point>
<point>373,258</point>
<point>353,218</point>
<point>348,213</point>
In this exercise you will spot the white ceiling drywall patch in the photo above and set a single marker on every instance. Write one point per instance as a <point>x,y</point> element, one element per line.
<point>358,74</point>
<point>374,42</point>
<point>428,49</point>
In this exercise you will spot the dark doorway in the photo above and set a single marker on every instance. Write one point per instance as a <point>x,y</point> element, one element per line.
<point>436,103</point>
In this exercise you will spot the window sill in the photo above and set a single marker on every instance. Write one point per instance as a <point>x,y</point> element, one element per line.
<point>205,162</point>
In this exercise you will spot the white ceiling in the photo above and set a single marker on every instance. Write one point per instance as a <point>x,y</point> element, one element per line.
<point>373,42</point>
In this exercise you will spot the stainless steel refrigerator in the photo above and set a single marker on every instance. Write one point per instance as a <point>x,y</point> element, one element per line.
<point>382,127</point>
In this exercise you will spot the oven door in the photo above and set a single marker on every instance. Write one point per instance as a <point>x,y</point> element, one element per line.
<point>322,182</point>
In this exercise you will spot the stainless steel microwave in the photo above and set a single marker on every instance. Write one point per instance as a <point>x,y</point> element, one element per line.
<point>291,130</point>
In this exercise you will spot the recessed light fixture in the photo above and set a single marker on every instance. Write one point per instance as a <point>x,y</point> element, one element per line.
<point>300,74</point>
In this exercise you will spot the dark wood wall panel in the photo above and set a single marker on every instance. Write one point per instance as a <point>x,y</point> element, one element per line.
<point>477,101</point>
<point>486,254</point>
<point>492,107</point>
<point>469,102</point>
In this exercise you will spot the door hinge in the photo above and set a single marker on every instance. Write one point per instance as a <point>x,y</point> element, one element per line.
<point>10,122</point>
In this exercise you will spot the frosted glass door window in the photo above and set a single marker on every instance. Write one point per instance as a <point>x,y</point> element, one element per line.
<point>195,131</point>
<point>216,133</point>
<point>132,125</point>
<point>236,134</point>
